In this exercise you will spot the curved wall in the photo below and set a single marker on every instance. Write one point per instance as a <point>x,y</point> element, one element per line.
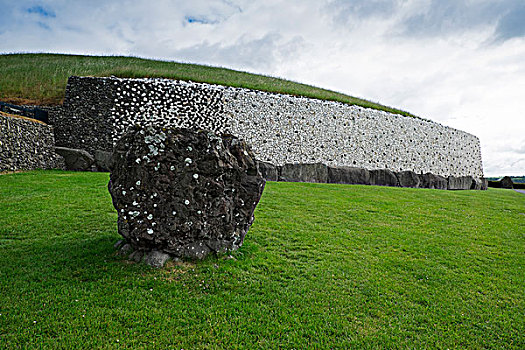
<point>280,128</point>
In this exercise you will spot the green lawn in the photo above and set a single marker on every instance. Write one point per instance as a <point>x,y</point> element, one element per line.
<point>41,78</point>
<point>323,266</point>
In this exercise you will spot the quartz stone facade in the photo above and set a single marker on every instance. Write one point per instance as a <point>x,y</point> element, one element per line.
<point>280,128</point>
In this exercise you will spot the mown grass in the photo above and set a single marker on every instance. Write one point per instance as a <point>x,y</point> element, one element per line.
<point>323,266</point>
<point>41,78</point>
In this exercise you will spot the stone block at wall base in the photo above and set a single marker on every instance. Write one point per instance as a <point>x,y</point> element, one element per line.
<point>460,183</point>
<point>383,177</point>
<point>268,171</point>
<point>316,172</point>
<point>348,175</point>
<point>408,179</point>
<point>103,160</point>
<point>484,184</point>
<point>432,181</point>
<point>76,159</point>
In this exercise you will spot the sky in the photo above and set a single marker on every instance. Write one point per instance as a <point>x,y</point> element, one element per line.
<point>460,63</point>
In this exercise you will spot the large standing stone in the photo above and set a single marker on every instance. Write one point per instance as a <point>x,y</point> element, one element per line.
<point>348,175</point>
<point>304,172</point>
<point>183,192</point>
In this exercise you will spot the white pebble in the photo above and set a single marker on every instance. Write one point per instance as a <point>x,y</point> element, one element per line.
<point>195,176</point>
<point>186,202</point>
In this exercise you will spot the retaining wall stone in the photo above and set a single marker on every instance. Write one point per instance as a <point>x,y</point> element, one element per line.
<point>27,145</point>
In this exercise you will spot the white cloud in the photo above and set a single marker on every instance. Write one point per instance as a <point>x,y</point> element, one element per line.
<point>458,63</point>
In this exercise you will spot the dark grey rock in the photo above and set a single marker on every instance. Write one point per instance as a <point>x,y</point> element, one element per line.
<point>348,175</point>
<point>136,256</point>
<point>76,159</point>
<point>183,192</point>
<point>156,258</point>
<point>383,177</point>
<point>476,184</point>
<point>315,172</point>
<point>484,184</point>
<point>506,182</point>
<point>126,249</point>
<point>118,243</point>
<point>268,171</point>
<point>459,182</point>
<point>103,160</point>
<point>408,179</point>
<point>432,181</point>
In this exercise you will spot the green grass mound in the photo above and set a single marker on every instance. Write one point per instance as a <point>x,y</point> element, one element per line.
<point>41,78</point>
<point>323,266</point>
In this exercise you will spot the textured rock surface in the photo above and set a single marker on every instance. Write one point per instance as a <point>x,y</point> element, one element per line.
<point>316,172</point>
<point>281,129</point>
<point>383,177</point>
<point>103,160</point>
<point>408,179</point>
<point>182,192</point>
<point>459,182</point>
<point>348,175</point>
<point>437,182</point>
<point>27,145</point>
<point>268,171</point>
<point>506,182</point>
<point>76,159</point>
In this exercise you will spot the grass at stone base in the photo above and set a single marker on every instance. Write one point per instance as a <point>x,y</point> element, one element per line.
<point>323,266</point>
<point>41,78</point>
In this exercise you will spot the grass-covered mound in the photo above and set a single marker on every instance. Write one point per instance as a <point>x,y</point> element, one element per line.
<point>41,78</point>
<point>323,266</point>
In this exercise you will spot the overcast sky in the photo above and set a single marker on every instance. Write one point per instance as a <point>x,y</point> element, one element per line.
<point>457,62</point>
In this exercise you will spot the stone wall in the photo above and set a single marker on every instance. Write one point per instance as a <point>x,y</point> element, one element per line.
<point>280,128</point>
<point>26,145</point>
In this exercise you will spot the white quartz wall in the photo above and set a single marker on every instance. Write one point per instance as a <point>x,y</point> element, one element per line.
<point>286,129</point>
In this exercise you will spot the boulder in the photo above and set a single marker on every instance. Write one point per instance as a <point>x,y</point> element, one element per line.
<point>430,180</point>
<point>460,182</point>
<point>76,159</point>
<point>182,192</point>
<point>304,172</point>
<point>383,177</point>
<point>103,160</point>
<point>484,184</point>
<point>506,182</point>
<point>477,183</point>
<point>408,179</point>
<point>348,175</point>
<point>268,171</point>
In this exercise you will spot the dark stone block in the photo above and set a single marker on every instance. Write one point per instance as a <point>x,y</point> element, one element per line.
<point>316,172</point>
<point>103,160</point>
<point>268,171</point>
<point>383,177</point>
<point>432,181</point>
<point>506,182</point>
<point>348,175</point>
<point>408,179</point>
<point>460,182</point>
<point>76,159</point>
<point>183,192</point>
